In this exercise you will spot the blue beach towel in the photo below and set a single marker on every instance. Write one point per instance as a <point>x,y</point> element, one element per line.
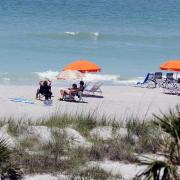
<point>23,100</point>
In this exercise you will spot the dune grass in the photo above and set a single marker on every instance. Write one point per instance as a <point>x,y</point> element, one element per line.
<point>94,173</point>
<point>80,122</point>
<point>58,155</point>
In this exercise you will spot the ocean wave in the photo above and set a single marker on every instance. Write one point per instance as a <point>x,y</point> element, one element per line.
<point>130,81</point>
<point>113,79</point>
<point>83,34</point>
<point>101,77</point>
<point>114,36</point>
<point>67,35</point>
<point>5,79</point>
<point>4,76</point>
<point>47,75</point>
<point>90,77</point>
<point>71,33</point>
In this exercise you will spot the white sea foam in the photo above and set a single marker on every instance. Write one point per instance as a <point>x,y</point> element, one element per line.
<point>92,77</point>
<point>130,81</point>
<point>47,75</point>
<point>72,33</point>
<point>83,34</point>
<point>101,77</point>
<point>4,76</point>
<point>6,79</point>
<point>95,35</point>
<point>88,76</point>
<point>112,79</point>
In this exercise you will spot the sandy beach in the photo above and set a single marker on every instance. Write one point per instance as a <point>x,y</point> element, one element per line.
<point>120,102</point>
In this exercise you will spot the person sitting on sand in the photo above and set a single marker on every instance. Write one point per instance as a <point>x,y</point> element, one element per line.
<point>45,89</point>
<point>81,86</point>
<point>70,91</point>
<point>178,80</point>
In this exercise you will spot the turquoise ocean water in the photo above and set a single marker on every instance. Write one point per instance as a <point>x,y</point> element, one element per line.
<point>127,38</point>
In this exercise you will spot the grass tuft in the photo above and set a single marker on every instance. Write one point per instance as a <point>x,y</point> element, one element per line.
<point>94,173</point>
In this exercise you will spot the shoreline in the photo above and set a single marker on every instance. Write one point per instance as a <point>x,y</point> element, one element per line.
<point>119,102</point>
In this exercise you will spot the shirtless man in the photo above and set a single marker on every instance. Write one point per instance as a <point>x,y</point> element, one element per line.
<point>70,91</point>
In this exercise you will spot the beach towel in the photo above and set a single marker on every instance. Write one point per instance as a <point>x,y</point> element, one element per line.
<point>22,100</point>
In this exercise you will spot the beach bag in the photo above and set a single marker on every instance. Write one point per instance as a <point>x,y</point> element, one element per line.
<point>48,102</point>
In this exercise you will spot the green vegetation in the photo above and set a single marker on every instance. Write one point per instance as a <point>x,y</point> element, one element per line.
<point>82,123</point>
<point>95,173</point>
<point>7,169</point>
<point>159,170</point>
<point>4,152</point>
<point>59,155</point>
<point>169,125</point>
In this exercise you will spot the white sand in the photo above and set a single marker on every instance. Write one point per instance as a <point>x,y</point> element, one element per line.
<point>119,101</point>
<point>45,177</point>
<point>127,171</point>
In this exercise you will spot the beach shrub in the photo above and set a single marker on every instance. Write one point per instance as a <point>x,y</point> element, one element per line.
<point>58,147</point>
<point>98,151</point>
<point>165,170</point>
<point>77,159</point>
<point>170,124</point>
<point>7,169</point>
<point>148,139</point>
<point>11,173</point>
<point>58,155</point>
<point>17,127</point>
<point>4,152</point>
<point>117,149</point>
<point>158,170</point>
<point>122,149</point>
<point>30,143</point>
<point>137,127</point>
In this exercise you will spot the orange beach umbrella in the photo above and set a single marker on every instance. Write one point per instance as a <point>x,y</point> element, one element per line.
<point>83,66</point>
<point>172,65</point>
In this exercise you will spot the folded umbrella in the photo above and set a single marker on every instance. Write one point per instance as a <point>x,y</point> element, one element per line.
<point>69,75</point>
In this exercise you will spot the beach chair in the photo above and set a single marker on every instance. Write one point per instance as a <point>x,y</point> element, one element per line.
<point>94,89</point>
<point>169,81</point>
<point>158,79</point>
<point>148,81</point>
<point>172,88</point>
<point>169,76</point>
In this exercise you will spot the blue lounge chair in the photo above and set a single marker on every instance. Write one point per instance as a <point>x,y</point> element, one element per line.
<point>148,81</point>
